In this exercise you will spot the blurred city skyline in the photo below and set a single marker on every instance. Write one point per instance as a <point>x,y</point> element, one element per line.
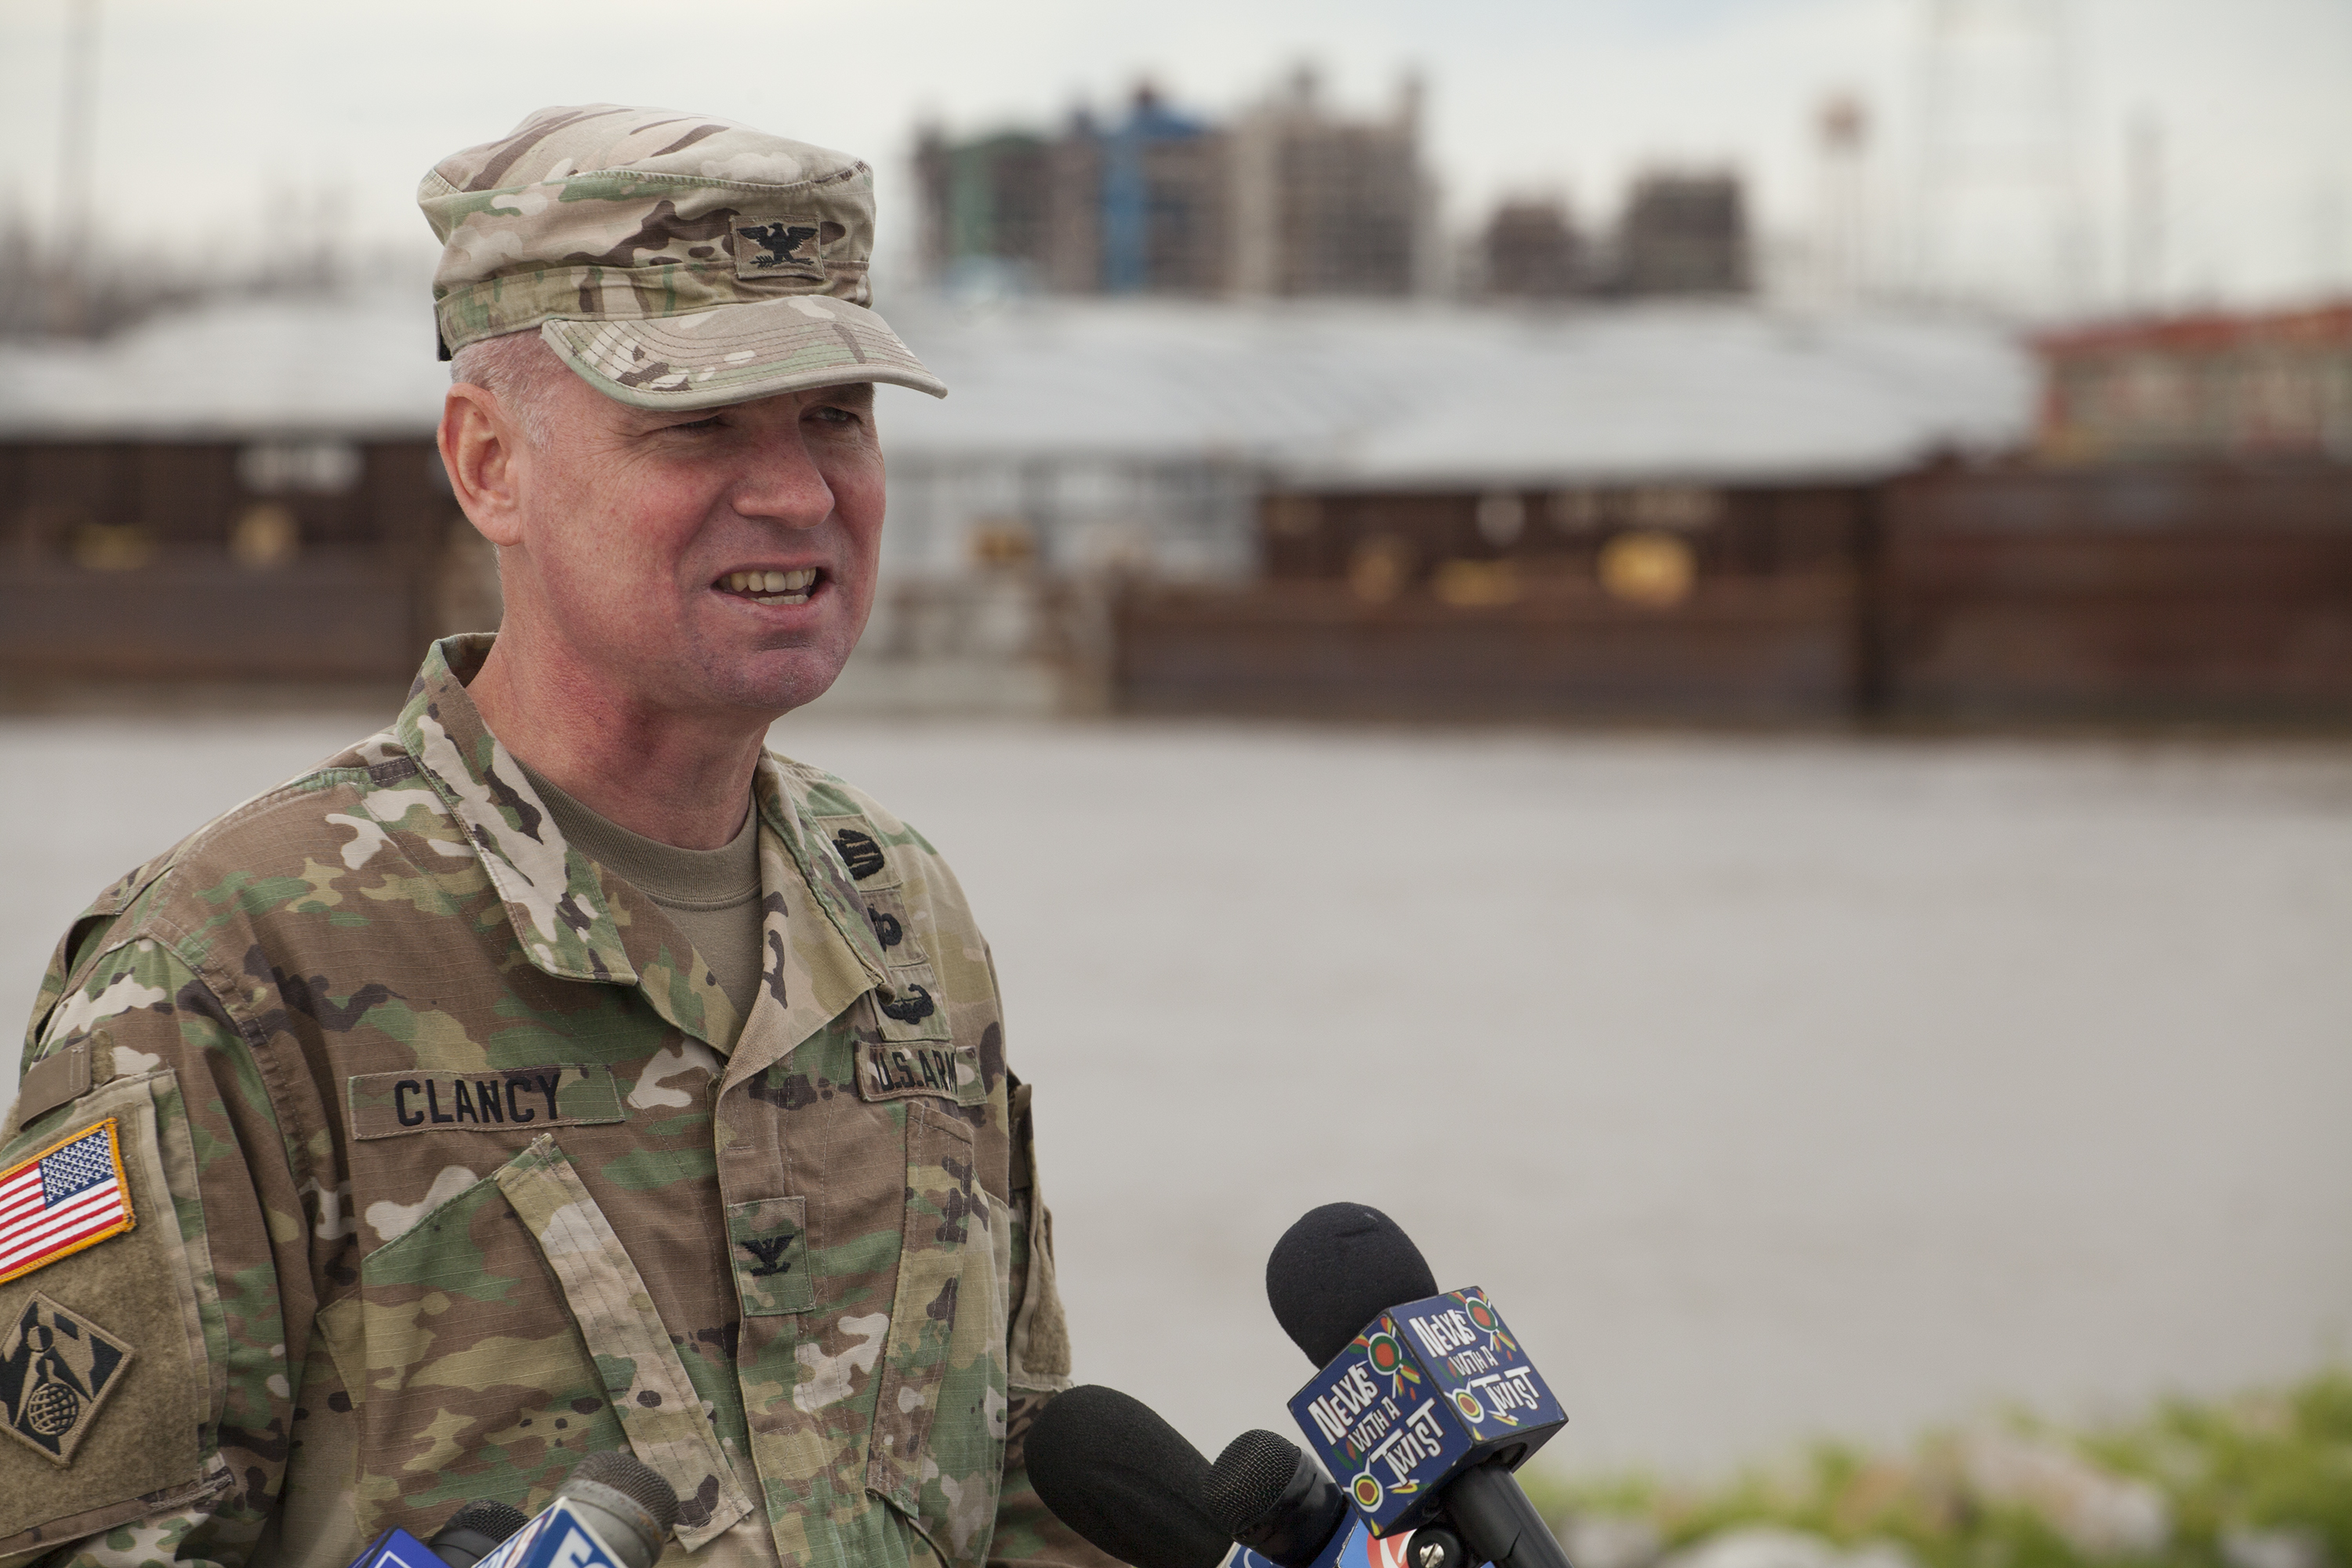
<point>2209,146</point>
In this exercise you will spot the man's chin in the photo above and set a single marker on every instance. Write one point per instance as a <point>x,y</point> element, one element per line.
<point>773,681</point>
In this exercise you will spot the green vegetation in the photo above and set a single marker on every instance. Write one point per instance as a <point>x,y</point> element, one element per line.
<point>2263,1480</point>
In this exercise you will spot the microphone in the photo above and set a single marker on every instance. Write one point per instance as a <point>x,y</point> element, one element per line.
<point>472,1533</point>
<point>1270,1497</point>
<point>476,1530</point>
<point>1337,1268</point>
<point>1266,1493</point>
<point>1111,1469</point>
<point>1425,1403</point>
<point>611,1511</point>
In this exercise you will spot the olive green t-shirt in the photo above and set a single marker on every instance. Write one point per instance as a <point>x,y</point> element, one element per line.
<point>713,895</point>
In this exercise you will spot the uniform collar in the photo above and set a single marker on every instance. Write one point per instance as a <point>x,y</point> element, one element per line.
<point>575,919</point>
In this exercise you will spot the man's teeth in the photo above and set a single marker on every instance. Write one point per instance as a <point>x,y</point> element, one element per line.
<point>776,587</point>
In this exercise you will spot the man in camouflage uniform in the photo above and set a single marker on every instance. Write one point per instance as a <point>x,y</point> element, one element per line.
<point>380,1149</point>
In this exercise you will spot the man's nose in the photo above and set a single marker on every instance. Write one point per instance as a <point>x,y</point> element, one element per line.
<point>784,484</point>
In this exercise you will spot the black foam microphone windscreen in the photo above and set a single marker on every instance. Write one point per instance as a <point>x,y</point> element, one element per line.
<point>628,1502</point>
<point>1266,1493</point>
<point>1118,1474</point>
<point>1337,1270</point>
<point>476,1530</point>
<point>1247,1480</point>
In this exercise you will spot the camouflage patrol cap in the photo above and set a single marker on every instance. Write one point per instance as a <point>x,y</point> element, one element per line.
<point>673,260</point>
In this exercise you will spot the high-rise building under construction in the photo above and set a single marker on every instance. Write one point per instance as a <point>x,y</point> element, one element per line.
<point>1286,199</point>
<point>1683,234</point>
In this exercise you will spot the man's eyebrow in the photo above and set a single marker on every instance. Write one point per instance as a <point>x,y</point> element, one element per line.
<point>858,392</point>
<point>647,419</point>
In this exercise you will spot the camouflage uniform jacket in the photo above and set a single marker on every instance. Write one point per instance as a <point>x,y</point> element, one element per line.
<point>448,1164</point>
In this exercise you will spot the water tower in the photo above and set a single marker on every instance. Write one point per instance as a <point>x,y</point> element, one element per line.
<point>1841,223</point>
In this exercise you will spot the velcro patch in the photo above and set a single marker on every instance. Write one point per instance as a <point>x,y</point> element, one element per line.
<point>770,1238</point>
<point>55,1369</point>
<point>779,247</point>
<point>900,1070</point>
<point>885,911</point>
<point>69,1196</point>
<point>859,853</point>
<point>863,854</point>
<point>61,1076</point>
<point>386,1104</point>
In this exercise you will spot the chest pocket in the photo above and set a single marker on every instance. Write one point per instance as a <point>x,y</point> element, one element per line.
<point>945,1349</point>
<point>506,1333</point>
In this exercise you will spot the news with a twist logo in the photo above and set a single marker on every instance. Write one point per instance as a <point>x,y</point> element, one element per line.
<point>1427,1389</point>
<point>1361,1548</point>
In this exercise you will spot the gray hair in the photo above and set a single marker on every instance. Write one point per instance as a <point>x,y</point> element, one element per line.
<point>512,368</point>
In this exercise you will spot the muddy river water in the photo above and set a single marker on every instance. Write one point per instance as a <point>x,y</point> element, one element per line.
<point>1774,1088</point>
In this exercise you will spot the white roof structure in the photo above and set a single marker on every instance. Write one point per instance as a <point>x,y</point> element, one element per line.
<point>344,367</point>
<point>1343,395</point>
<point>1414,396</point>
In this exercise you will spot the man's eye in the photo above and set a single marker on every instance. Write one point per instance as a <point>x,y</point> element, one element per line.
<point>697,425</point>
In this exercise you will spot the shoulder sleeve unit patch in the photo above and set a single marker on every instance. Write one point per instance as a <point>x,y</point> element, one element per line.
<point>57,1367</point>
<point>69,1196</point>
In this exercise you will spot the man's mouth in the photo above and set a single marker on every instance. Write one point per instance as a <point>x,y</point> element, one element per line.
<point>772,587</point>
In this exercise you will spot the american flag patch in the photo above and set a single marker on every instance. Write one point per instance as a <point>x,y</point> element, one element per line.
<point>69,1196</point>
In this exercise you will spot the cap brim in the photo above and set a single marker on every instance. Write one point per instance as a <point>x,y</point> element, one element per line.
<point>736,353</point>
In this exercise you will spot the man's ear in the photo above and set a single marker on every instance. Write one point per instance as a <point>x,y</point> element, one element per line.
<point>479,446</point>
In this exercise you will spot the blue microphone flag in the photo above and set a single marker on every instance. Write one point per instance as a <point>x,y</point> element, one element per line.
<point>397,1549</point>
<point>1429,1389</point>
<point>556,1537</point>
<point>1352,1546</point>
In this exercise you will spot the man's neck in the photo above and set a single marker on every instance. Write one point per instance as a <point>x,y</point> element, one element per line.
<point>678,779</point>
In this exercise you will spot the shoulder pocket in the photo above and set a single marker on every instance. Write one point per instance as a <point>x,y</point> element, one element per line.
<point>111,1336</point>
<point>505,1334</point>
<point>81,946</point>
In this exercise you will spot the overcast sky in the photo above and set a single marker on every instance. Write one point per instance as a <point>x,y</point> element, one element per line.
<point>206,110</point>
